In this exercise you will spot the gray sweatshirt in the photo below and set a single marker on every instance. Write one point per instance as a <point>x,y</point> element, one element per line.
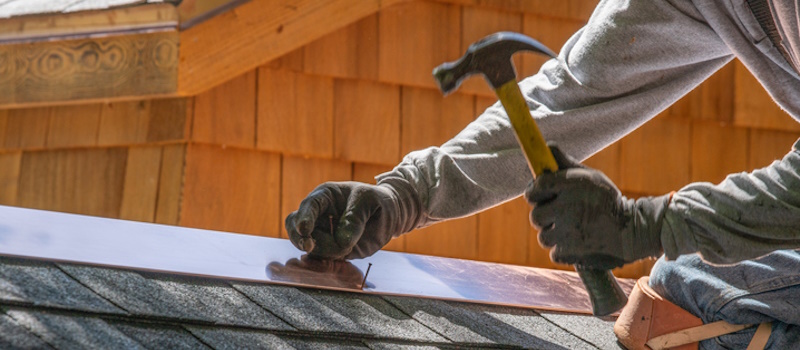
<point>630,62</point>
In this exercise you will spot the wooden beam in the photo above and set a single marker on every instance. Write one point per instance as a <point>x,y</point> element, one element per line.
<point>257,32</point>
<point>93,68</point>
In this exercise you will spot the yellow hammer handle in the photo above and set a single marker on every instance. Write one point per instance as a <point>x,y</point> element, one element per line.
<point>530,138</point>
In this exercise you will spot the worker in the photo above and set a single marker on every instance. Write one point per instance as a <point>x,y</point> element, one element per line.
<point>631,61</point>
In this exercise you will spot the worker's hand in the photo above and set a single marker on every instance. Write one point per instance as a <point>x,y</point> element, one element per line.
<point>584,220</point>
<point>346,220</point>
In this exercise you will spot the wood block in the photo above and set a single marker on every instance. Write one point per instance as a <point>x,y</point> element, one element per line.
<point>753,107</point>
<point>503,233</point>
<point>429,119</point>
<point>232,190</point>
<point>415,37</point>
<point>124,123</point>
<point>140,190</point>
<point>81,181</point>
<point>655,158</point>
<point>73,126</point>
<point>301,175</point>
<point>479,22</point>
<point>295,113</point>
<point>226,115</point>
<point>366,173</point>
<point>767,146</point>
<point>456,238</point>
<point>170,183</point>
<point>9,177</point>
<point>169,119</point>
<point>607,161</point>
<point>717,151</point>
<point>93,68</point>
<point>367,122</point>
<point>350,52</point>
<point>551,32</point>
<point>26,128</point>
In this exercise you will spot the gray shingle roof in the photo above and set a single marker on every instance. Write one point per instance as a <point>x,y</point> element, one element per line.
<point>65,306</point>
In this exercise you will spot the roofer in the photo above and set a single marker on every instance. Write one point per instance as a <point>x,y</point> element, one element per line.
<point>631,61</point>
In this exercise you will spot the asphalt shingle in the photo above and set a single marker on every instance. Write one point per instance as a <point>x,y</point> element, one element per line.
<point>15,336</point>
<point>73,332</point>
<point>483,324</point>
<point>175,297</point>
<point>596,330</point>
<point>225,339</point>
<point>43,284</point>
<point>318,310</point>
<point>161,336</point>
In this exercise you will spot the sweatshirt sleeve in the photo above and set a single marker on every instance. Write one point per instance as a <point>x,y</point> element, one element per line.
<point>631,61</point>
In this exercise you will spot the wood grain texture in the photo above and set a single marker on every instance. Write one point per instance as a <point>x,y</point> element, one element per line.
<point>301,175</point>
<point>81,181</point>
<point>414,38</point>
<point>102,67</point>
<point>366,173</point>
<point>366,124</point>
<point>295,113</point>
<point>767,146</point>
<point>552,32</point>
<point>564,9</point>
<point>753,107</point>
<point>717,151</point>
<point>257,32</point>
<point>430,119</point>
<point>226,115</point>
<point>9,177</point>
<point>170,119</point>
<point>232,190</point>
<point>711,100</point>
<point>26,128</point>
<point>350,52</point>
<point>293,61</point>
<point>655,158</point>
<point>140,190</point>
<point>170,184</point>
<point>478,22</point>
<point>73,126</point>
<point>607,161</point>
<point>456,238</point>
<point>504,233</point>
<point>124,123</point>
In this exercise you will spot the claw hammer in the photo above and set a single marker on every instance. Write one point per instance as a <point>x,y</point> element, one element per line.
<point>491,56</point>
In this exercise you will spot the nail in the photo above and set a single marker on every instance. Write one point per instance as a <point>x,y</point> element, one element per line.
<point>364,281</point>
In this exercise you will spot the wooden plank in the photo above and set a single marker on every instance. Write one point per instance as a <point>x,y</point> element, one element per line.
<point>767,146</point>
<point>350,52</point>
<point>140,190</point>
<point>85,23</point>
<point>257,32</point>
<point>456,238</point>
<point>504,233</point>
<point>711,100</point>
<point>73,126</point>
<point>192,12</point>
<point>717,151</point>
<point>294,61</point>
<point>169,119</point>
<point>479,22</point>
<point>552,32</point>
<point>295,113</point>
<point>563,9</point>
<point>429,119</point>
<point>9,177</point>
<point>81,181</point>
<point>26,128</point>
<point>414,38</point>
<point>366,173</point>
<point>753,107</point>
<point>124,123</point>
<point>607,161</point>
<point>655,159</point>
<point>94,68</point>
<point>367,122</point>
<point>301,175</point>
<point>232,190</point>
<point>226,115</point>
<point>170,184</point>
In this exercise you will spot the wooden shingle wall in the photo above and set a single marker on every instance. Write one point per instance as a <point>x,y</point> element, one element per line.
<point>348,106</point>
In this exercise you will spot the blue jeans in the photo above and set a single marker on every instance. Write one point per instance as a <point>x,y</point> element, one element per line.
<point>766,289</point>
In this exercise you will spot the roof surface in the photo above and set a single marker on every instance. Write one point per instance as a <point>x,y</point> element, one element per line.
<point>14,8</point>
<point>58,305</point>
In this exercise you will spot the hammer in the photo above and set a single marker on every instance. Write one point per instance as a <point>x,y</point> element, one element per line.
<point>491,56</point>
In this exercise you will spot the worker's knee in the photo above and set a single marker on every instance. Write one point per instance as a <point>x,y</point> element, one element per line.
<point>680,282</point>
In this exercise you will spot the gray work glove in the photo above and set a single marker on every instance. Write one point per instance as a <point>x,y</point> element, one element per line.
<point>584,219</point>
<point>352,220</point>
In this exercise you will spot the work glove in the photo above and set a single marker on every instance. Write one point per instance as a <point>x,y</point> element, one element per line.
<point>584,219</point>
<point>351,220</point>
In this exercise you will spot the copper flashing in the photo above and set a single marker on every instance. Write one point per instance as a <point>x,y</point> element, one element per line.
<point>142,246</point>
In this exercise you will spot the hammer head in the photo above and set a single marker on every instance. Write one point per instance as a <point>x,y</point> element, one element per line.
<point>490,56</point>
